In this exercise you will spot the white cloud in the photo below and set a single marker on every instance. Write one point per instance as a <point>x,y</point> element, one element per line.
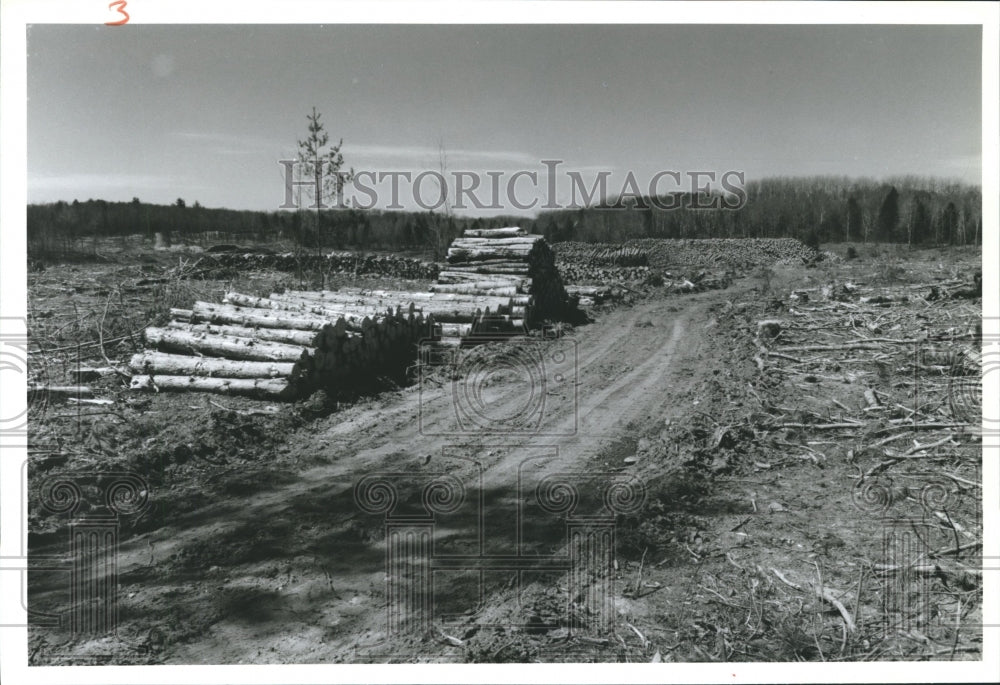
<point>228,141</point>
<point>414,156</point>
<point>60,182</point>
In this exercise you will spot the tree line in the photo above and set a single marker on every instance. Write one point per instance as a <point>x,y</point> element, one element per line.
<point>912,210</point>
<point>68,227</point>
<point>917,211</point>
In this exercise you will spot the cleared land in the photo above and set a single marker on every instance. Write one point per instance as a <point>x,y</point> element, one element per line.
<point>779,425</point>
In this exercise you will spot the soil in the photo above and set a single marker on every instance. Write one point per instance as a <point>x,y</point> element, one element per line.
<point>256,546</point>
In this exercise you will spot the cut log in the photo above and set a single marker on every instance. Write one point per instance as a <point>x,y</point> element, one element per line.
<point>180,314</point>
<point>288,336</point>
<point>493,280</point>
<point>474,268</point>
<point>588,290</point>
<point>475,289</point>
<point>258,388</point>
<point>388,297</point>
<point>427,307</point>
<point>163,364</point>
<point>231,347</point>
<point>495,263</point>
<point>526,241</point>
<point>507,232</point>
<point>59,391</point>
<point>206,312</point>
<point>473,253</point>
<point>328,309</point>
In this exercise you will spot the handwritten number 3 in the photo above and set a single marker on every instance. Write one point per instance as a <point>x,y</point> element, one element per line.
<point>120,4</point>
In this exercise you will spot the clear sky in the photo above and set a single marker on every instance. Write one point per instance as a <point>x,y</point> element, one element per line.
<point>205,112</point>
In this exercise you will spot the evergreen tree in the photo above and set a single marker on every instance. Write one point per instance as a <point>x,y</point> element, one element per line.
<point>855,221</point>
<point>888,215</point>
<point>921,230</point>
<point>949,224</point>
<point>322,162</point>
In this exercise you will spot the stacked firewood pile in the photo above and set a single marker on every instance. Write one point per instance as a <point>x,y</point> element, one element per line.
<point>661,253</point>
<point>733,252</point>
<point>282,347</point>
<point>290,344</point>
<point>586,273</point>
<point>612,255</point>
<point>334,262</point>
<point>506,262</point>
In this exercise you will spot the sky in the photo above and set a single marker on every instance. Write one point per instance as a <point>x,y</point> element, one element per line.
<point>206,113</point>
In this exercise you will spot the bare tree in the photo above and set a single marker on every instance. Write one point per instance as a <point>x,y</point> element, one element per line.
<point>441,230</point>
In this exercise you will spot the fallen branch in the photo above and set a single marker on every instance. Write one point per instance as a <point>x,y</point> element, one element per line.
<point>832,348</point>
<point>822,426</point>
<point>61,391</point>
<point>911,453</point>
<point>779,355</point>
<point>100,340</point>
<point>824,594</point>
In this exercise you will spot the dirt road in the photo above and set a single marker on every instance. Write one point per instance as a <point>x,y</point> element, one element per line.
<point>295,570</point>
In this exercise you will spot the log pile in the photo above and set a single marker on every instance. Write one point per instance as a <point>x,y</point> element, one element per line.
<point>289,344</point>
<point>617,255</point>
<point>506,262</point>
<point>334,262</point>
<point>285,346</point>
<point>586,273</point>
<point>663,253</point>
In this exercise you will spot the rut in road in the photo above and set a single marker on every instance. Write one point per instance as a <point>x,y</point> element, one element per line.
<point>628,372</point>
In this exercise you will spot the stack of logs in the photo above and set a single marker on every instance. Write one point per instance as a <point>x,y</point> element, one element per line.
<point>666,253</point>
<point>334,262</point>
<point>281,347</point>
<point>506,262</point>
<point>619,256</point>
<point>290,344</point>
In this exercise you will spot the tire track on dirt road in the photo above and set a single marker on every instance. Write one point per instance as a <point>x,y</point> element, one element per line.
<point>631,364</point>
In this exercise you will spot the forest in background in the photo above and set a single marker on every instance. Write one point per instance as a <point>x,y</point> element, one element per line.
<point>912,210</point>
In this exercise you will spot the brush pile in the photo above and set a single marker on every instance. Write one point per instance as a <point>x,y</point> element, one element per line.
<point>661,253</point>
<point>334,262</point>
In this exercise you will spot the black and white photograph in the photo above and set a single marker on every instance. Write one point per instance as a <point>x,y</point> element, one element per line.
<point>499,341</point>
